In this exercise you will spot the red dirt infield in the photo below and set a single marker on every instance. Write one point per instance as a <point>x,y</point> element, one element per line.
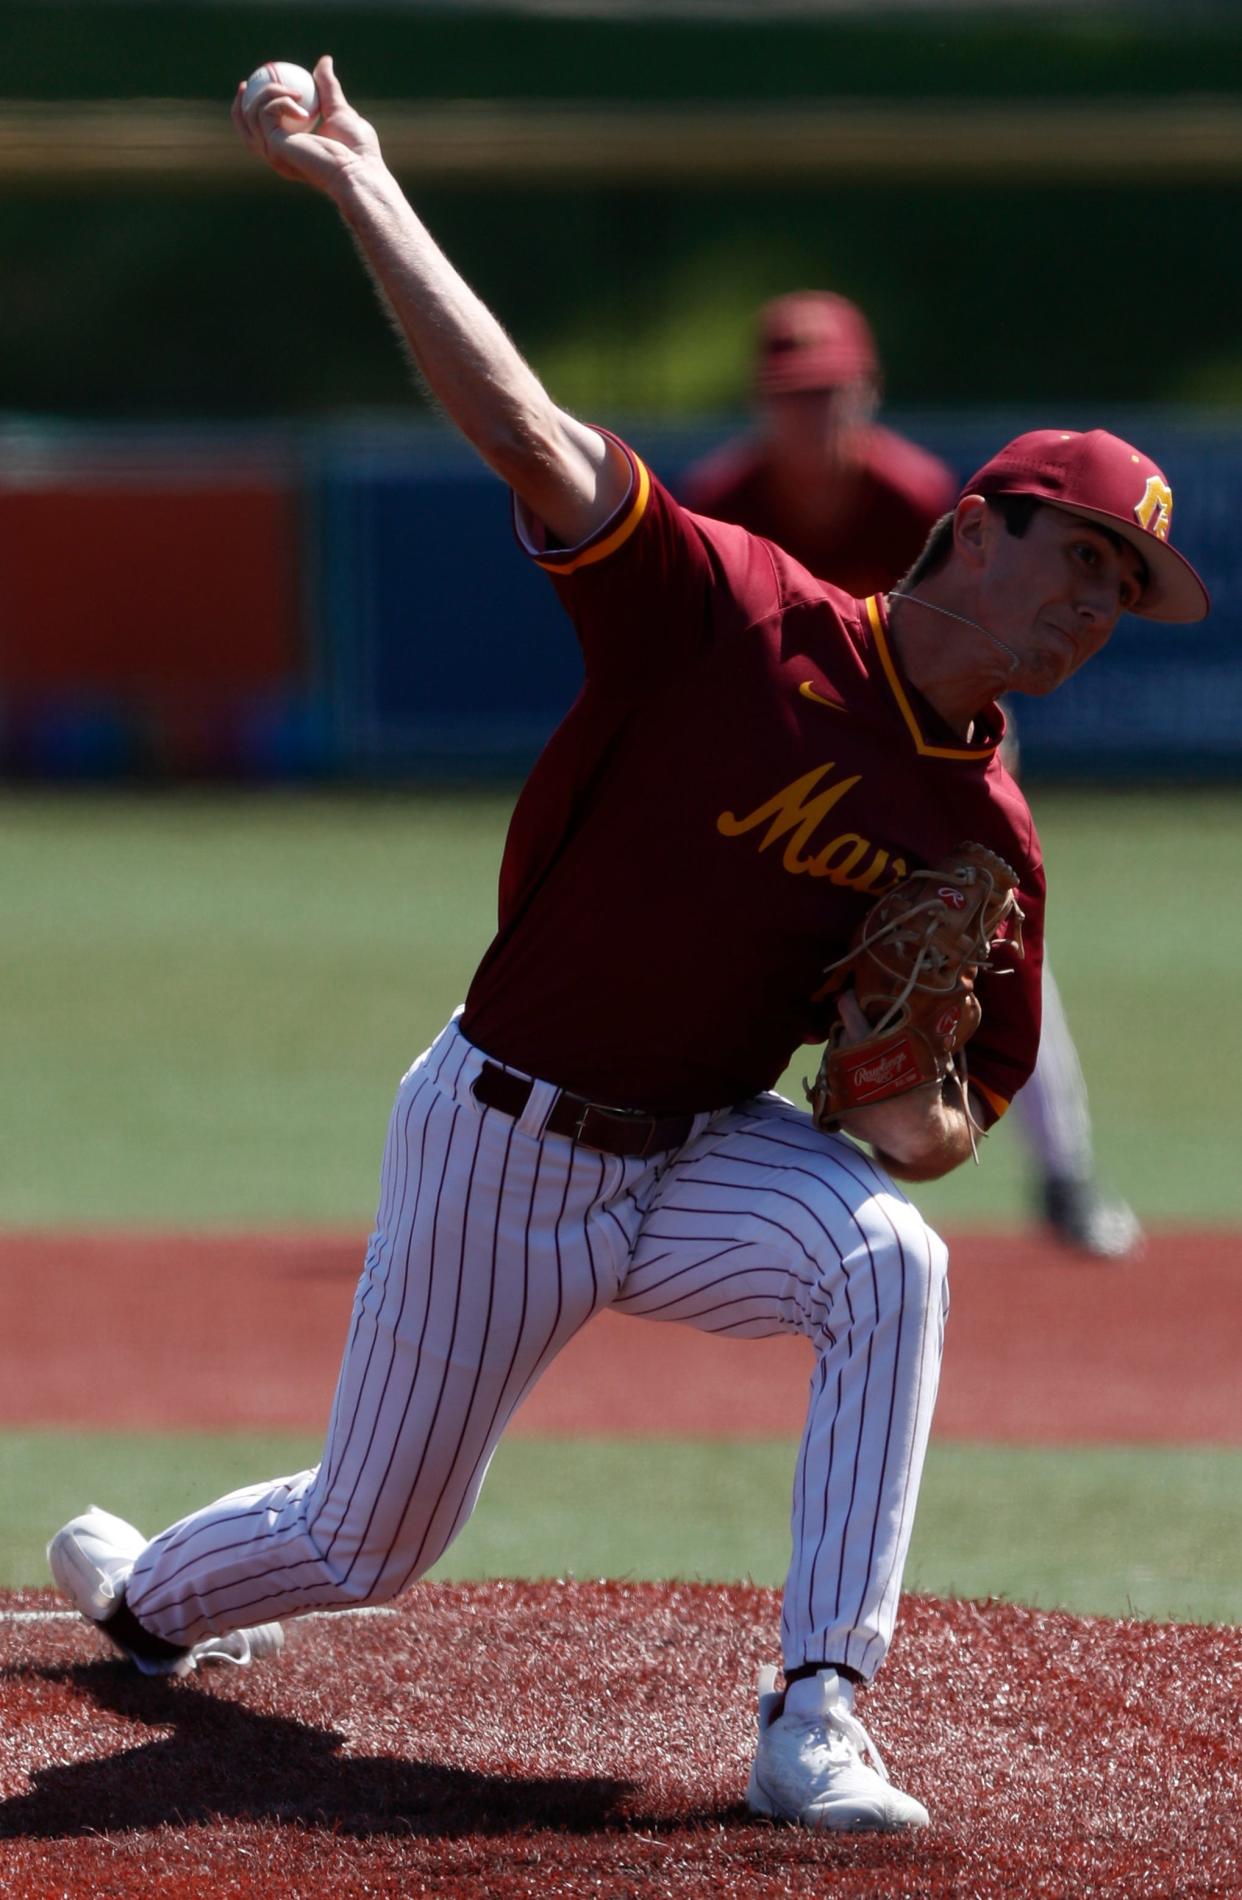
<point>212,1331</point>
<point>504,1740</point>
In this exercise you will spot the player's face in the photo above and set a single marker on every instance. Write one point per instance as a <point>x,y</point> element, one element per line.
<point>1055,593</point>
<point>809,429</point>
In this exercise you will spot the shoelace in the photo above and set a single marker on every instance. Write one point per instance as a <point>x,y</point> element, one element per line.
<point>241,1646</point>
<point>843,1720</point>
<point>849,1726</point>
<point>234,1648</point>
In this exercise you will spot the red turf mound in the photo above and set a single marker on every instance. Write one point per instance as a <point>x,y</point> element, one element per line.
<point>517,1739</point>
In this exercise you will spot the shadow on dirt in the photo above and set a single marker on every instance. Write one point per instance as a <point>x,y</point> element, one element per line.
<point>225,1761</point>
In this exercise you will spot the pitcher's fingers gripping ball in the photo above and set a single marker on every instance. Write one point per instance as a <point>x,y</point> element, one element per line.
<point>913,963</point>
<point>285,81</point>
<point>302,124</point>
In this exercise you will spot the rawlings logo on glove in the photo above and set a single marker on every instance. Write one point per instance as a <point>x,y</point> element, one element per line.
<point>912,965</point>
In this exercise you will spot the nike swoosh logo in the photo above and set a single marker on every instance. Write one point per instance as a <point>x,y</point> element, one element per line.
<point>808,692</point>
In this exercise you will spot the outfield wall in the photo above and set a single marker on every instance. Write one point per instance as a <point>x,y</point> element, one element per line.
<point>349,601</point>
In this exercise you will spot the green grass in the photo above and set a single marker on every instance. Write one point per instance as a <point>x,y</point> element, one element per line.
<point>1107,1531</point>
<point>208,999</point>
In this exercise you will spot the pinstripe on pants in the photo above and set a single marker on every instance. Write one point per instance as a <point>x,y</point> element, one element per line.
<point>492,1246</point>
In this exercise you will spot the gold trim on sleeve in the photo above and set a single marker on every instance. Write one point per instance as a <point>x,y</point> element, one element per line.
<point>600,550</point>
<point>993,1100</point>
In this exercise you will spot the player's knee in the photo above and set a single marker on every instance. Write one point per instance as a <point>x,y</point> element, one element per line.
<point>355,1591</point>
<point>911,1262</point>
<point>926,1279</point>
<point>347,1578</point>
<point>937,1270</point>
<point>384,1575</point>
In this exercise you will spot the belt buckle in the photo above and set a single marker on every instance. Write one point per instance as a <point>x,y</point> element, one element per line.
<point>633,1118</point>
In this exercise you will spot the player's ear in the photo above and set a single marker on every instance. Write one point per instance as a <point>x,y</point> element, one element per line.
<point>971,525</point>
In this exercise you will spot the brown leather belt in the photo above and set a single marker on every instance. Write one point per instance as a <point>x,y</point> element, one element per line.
<point>614,1131</point>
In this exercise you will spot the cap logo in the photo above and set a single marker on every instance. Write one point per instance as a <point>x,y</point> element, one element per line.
<point>1155,511</point>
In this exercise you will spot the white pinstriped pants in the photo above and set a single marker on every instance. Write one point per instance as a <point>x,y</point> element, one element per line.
<point>493,1245</point>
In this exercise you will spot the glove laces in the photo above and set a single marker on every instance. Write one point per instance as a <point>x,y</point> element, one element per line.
<point>926,964</point>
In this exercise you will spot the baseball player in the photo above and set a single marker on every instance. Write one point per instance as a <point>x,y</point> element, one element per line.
<point>854,502</point>
<point>850,499</point>
<point>753,759</point>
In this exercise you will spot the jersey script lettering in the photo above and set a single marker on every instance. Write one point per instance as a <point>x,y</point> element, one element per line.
<point>796,812</point>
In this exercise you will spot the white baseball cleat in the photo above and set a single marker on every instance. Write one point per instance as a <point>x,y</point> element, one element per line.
<point>1084,1217</point>
<point>91,1557</point>
<point>817,1765</point>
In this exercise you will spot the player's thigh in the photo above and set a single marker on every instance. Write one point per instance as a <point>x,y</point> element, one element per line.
<point>765,1225</point>
<point>490,1250</point>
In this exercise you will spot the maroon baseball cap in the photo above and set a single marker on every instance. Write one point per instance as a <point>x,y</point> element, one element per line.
<point>1099,476</point>
<point>812,339</point>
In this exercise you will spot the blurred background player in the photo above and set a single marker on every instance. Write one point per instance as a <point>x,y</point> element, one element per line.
<point>854,502</point>
<point>851,500</point>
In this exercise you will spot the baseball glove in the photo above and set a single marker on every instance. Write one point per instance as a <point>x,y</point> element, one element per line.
<point>912,964</point>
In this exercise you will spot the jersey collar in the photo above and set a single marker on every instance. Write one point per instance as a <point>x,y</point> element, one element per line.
<point>924,724</point>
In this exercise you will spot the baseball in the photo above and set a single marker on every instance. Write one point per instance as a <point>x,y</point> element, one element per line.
<point>288,74</point>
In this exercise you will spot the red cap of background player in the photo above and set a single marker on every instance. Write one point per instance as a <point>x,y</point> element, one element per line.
<point>812,340</point>
<point>1099,476</point>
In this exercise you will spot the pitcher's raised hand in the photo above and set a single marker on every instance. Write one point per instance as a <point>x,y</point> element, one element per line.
<point>276,128</point>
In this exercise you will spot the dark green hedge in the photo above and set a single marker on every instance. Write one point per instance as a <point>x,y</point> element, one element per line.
<point>191,299</point>
<point>58,49</point>
<point>641,301</point>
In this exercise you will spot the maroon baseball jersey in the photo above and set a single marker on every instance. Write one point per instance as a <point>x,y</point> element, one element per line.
<point>886,501</point>
<point>744,770</point>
